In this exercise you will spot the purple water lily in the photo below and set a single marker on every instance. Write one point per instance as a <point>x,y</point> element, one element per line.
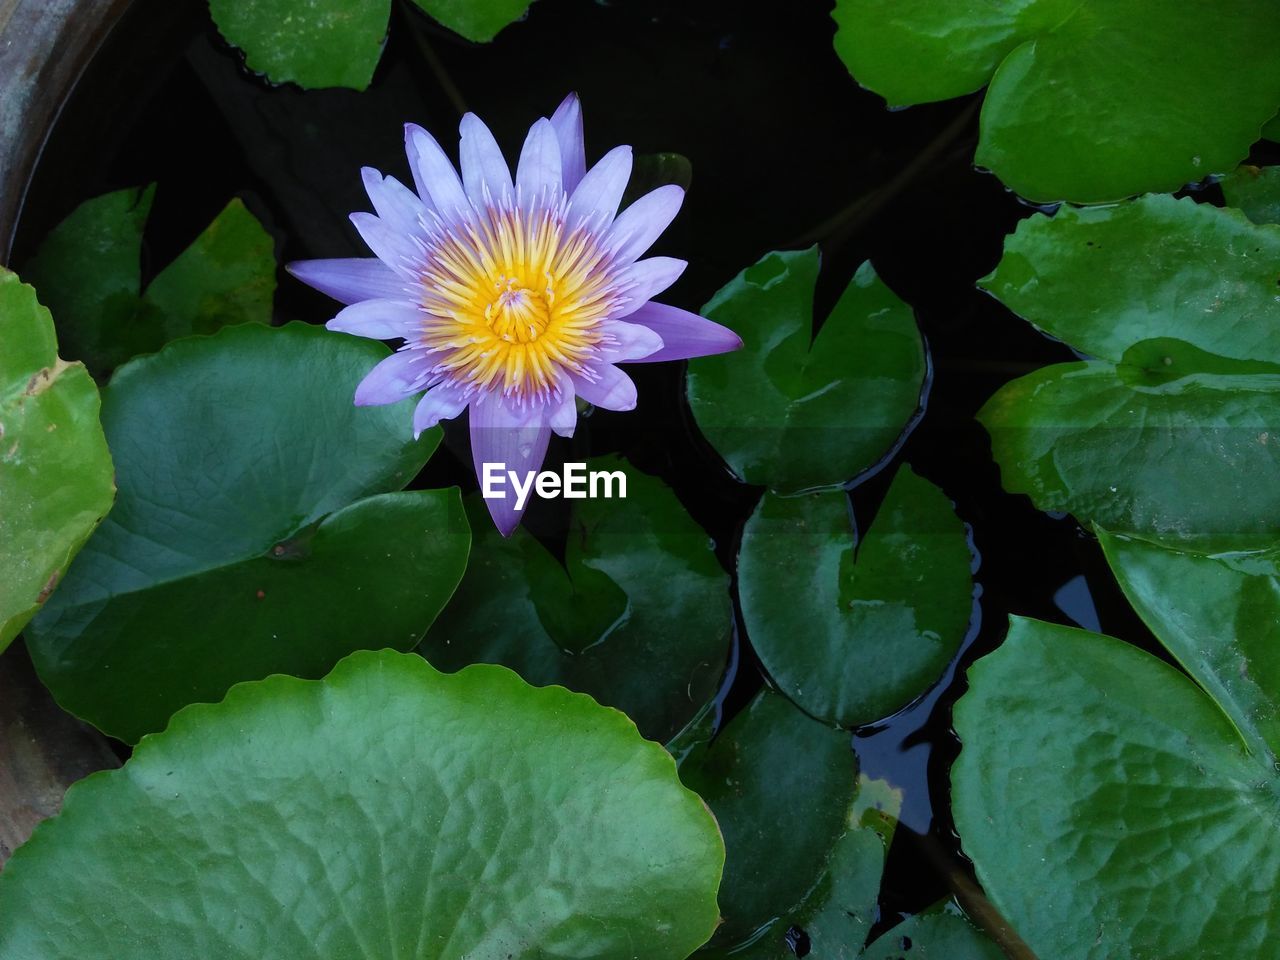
<point>512,297</point>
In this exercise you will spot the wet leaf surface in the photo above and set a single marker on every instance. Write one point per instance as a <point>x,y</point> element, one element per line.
<point>336,810</point>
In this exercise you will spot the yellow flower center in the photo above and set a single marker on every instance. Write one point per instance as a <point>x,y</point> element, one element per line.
<point>513,299</point>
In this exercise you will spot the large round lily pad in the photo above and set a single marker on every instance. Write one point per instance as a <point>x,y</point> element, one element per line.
<point>1110,807</point>
<point>386,811</point>
<point>256,531</point>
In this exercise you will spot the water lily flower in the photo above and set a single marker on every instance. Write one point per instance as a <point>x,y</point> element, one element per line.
<point>513,295</point>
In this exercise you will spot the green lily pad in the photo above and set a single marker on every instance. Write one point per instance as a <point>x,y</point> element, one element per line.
<point>1178,302</point>
<point>90,263</point>
<point>1272,129</point>
<point>638,615</point>
<point>478,20</point>
<point>313,43</point>
<point>55,471</point>
<point>880,624</point>
<point>792,411</point>
<point>256,529</point>
<point>1089,100</point>
<point>781,786</point>
<point>337,43</point>
<point>1255,191</point>
<point>324,820</point>
<point>1110,807</point>
<point>1220,618</point>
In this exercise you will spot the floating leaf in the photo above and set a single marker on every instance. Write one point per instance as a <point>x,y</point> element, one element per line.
<point>878,626</point>
<point>1255,191</point>
<point>330,819</point>
<point>1178,301</point>
<point>793,411</point>
<point>255,530</point>
<point>1088,763</point>
<point>781,786</point>
<point>937,934</point>
<point>55,471</point>
<point>638,615</point>
<point>1089,100</point>
<point>478,20</point>
<point>1272,129</point>
<point>90,263</point>
<point>1220,618</point>
<point>313,43</point>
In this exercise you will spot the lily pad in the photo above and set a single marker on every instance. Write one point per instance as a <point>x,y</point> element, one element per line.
<point>781,786</point>
<point>1088,763</point>
<point>1178,302</point>
<point>55,470</point>
<point>880,623</point>
<point>792,411</point>
<point>1220,618</point>
<point>313,43</point>
<point>1255,191</point>
<point>256,529</point>
<point>478,20</point>
<point>319,820</point>
<point>638,615</point>
<point>1089,100</point>
<point>90,263</point>
<point>337,43</point>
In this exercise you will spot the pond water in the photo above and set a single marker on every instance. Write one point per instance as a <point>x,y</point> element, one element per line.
<point>786,150</point>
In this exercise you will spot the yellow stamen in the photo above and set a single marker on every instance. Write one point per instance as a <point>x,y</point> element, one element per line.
<point>513,299</point>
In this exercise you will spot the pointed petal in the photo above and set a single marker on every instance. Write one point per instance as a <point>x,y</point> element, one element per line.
<point>630,342</point>
<point>563,414</point>
<point>613,390</point>
<point>645,279</point>
<point>433,174</point>
<point>567,121</point>
<point>596,198</point>
<point>514,440</point>
<point>397,250</point>
<point>638,226</point>
<point>482,162</point>
<point>538,172</point>
<point>400,375</point>
<point>351,279</point>
<point>442,402</point>
<point>397,205</point>
<point>684,334</point>
<point>379,319</point>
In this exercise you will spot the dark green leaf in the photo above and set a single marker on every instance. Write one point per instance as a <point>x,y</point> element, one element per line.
<point>1110,807</point>
<point>478,20</point>
<point>1179,300</point>
<point>1220,618</point>
<point>313,43</point>
<point>229,554</point>
<point>1089,100</point>
<point>638,615</point>
<point>791,411</point>
<point>55,471</point>
<point>386,811</point>
<point>91,263</point>
<point>1256,191</point>
<point>781,786</point>
<point>877,626</point>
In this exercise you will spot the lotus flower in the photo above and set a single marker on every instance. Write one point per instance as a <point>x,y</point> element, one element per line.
<point>512,297</point>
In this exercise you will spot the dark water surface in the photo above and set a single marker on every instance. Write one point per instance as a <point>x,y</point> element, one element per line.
<point>781,141</point>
